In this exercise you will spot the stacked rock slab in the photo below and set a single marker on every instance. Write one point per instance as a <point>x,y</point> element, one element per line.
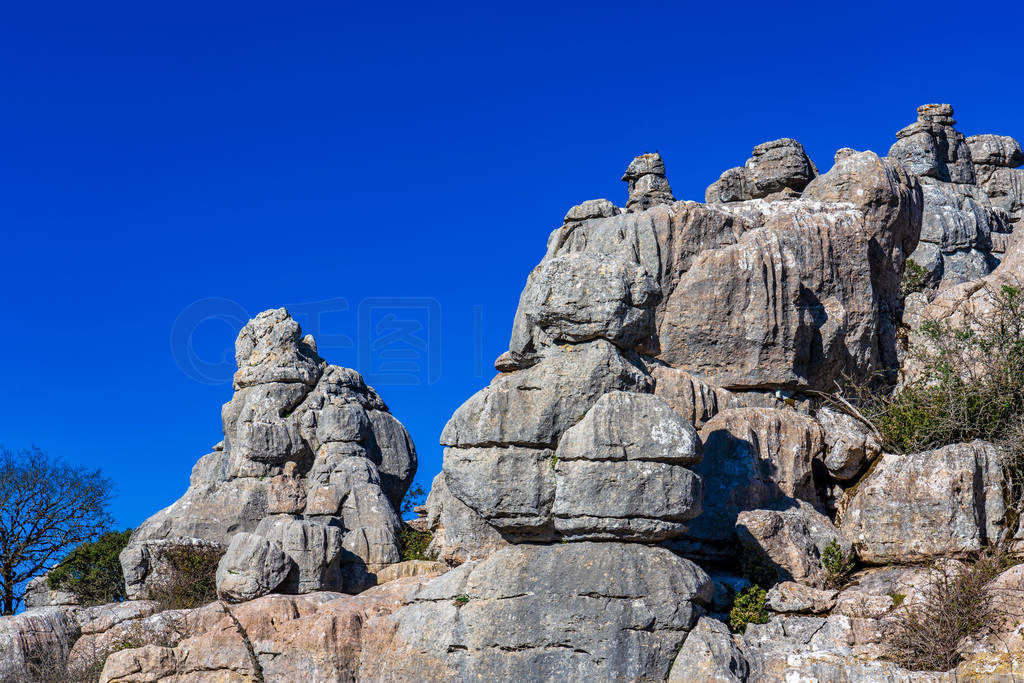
<point>301,494</point>
<point>970,206</point>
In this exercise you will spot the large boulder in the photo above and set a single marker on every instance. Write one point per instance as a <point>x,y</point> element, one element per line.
<point>946,502</point>
<point>251,567</point>
<point>301,438</point>
<point>575,611</point>
<point>778,167</point>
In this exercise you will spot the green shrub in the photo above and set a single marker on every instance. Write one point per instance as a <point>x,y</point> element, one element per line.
<point>954,605</point>
<point>187,577</point>
<point>970,385</point>
<point>92,571</point>
<point>915,278</point>
<point>838,565</point>
<point>748,608</point>
<point>412,544</point>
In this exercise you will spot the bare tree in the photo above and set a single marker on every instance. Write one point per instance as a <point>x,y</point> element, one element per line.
<point>46,508</point>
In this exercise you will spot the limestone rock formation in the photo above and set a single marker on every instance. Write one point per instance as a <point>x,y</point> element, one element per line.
<point>970,205</point>
<point>778,169</point>
<point>312,462</point>
<point>664,401</point>
<point>647,182</point>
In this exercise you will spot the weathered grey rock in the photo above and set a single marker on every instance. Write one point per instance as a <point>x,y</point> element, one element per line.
<point>460,534</point>
<point>1005,189</point>
<point>850,444</point>
<point>39,594</point>
<point>592,208</point>
<point>621,472</point>
<point>647,183</point>
<point>557,612</point>
<point>789,596</point>
<point>932,147</point>
<point>580,297</point>
<point>995,150</point>
<point>790,648</point>
<point>929,257</point>
<point>630,426</point>
<point>270,349</point>
<point>314,548</point>
<point>534,406</point>
<point>791,540</point>
<point>618,474</point>
<point>942,503</point>
<point>754,458</point>
<point>775,167</point>
<point>301,437</point>
<point>511,487</point>
<point>251,568</point>
<point>709,654</point>
<point>967,265</point>
<point>957,217</point>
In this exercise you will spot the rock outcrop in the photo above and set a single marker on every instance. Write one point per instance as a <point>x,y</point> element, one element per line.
<point>661,434</point>
<point>312,466</point>
<point>971,206</point>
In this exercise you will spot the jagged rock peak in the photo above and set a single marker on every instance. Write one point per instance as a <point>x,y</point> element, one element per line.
<point>648,185</point>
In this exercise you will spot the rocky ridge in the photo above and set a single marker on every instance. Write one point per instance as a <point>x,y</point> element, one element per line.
<point>655,436</point>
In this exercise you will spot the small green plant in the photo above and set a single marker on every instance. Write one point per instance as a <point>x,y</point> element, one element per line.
<point>92,571</point>
<point>413,498</point>
<point>915,278</point>
<point>897,599</point>
<point>554,461</point>
<point>838,565</point>
<point>462,599</point>
<point>412,544</point>
<point>748,608</point>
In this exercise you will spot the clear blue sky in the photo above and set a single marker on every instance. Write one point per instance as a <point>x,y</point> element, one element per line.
<point>261,154</point>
